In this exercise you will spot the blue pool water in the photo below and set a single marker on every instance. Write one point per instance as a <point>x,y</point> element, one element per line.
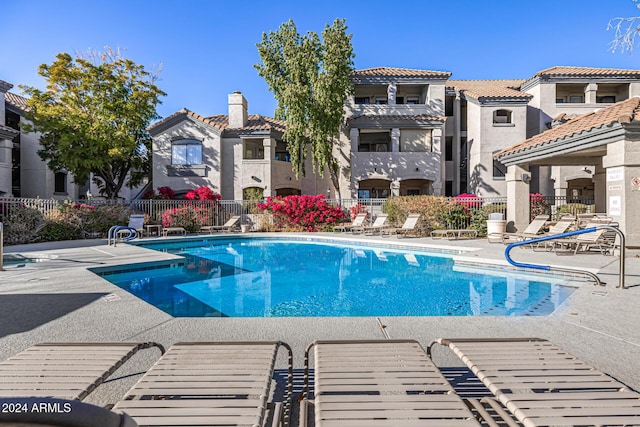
<point>273,278</point>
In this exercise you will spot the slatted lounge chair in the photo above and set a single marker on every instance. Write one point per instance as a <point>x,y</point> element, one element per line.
<point>212,384</point>
<point>358,221</point>
<point>377,225</point>
<point>59,412</point>
<point>410,226</point>
<point>559,227</point>
<point>173,230</point>
<point>64,370</point>
<point>230,225</point>
<point>379,383</point>
<point>532,230</point>
<point>587,241</point>
<point>542,385</point>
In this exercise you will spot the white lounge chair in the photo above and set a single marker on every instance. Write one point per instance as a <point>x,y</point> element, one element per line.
<point>358,221</point>
<point>543,385</point>
<point>230,225</point>
<point>410,226</point>
<point>532,230</point>
<point>384,383</point>
<point>210,384</point>
<point>377,225</point>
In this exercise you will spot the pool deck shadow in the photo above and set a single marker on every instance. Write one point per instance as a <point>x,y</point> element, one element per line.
<point>597,324</point>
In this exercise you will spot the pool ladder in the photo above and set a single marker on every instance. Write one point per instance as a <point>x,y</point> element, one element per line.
<point>621,283</point>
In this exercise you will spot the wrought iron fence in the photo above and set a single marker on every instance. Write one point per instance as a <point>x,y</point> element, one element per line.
<point>558,206</point>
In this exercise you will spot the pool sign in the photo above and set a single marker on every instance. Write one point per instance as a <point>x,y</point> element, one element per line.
<point>615,174</point>
<point>615,205</point>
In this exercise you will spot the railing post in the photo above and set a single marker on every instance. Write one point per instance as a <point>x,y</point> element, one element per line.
<point>1,247</point>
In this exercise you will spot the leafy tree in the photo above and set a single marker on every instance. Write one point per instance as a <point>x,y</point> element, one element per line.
<point>309,78</point>
<point>93,117</point>
<point>626,30</point>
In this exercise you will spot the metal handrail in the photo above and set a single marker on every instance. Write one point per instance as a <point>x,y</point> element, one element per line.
<point>621,283</point>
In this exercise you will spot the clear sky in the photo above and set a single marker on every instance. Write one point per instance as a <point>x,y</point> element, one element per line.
<point>208,48</point>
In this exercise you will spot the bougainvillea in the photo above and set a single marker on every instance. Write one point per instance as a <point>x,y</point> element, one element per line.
<point>188,217</point>
<point>202,193</point>
<point>357,209</point>
<point>469,201</point>
<point>302,212</point>
<point>164,193</point>
<point>538,204</point>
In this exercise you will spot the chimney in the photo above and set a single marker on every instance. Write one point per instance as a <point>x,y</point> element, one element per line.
<point>237,110</point>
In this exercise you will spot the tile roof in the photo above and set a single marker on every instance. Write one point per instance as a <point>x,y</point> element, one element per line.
<point>399,72</point>
<point>17,101</point>
<point>621,112</point>
<point>564,71</point>
<point>255,122</point>
<point>490,89</point>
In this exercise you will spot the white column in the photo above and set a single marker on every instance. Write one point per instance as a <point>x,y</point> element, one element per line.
<point>395,140</point>
<point>391,93</point>
<point>518,196</point>
<point>354,135</point>
<point>456,144</point>
<point>600,189</point>
<point>590,93</point>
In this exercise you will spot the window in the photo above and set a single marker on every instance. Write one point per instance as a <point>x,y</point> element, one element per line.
<point>448,188</point>
<point>364,194</point>
<point>362,100</point>
<point>606,99</point>
<point>576,99</point>
<point>502,117</point>
<point>186,152</point>
<point>60,183</point>
<point>413,100</point>
<point>499,170</point>
<point>381,100</point>
<point>448,106</point>
<point>561,100</point>
<point>448,148</point>
<point>413,192</point>
<point>399,99</point>
<point>254,149</point>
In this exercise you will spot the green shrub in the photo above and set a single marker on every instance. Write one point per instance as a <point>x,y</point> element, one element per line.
<point>436,212</point>
<point>570,209</point>
<point>21,224</point>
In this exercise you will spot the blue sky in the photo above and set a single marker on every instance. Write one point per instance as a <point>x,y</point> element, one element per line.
<point>207,48</point>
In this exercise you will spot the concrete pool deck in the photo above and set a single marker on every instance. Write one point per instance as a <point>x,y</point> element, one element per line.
<point>60,300</point>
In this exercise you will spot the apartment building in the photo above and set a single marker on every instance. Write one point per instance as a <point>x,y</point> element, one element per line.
<point>238,155</point>
<point>22,171</point>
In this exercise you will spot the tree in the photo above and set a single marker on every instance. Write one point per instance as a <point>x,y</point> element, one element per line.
<point>310,79</point>
<point>93,117</point>
<point>626,30</point>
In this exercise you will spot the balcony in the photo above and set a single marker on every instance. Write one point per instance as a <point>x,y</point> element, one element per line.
<point>396,165</point>
<point>353,109</point>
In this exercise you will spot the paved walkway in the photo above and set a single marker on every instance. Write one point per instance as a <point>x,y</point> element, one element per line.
<point>59,300</point>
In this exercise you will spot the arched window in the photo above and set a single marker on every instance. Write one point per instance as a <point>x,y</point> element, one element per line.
<point>502,117</point>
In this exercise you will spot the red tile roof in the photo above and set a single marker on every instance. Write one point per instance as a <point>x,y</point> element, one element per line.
<point>17,101</point>
<point>255,122</point>
<point>621,112</point>
<point>399,72</point>
<point>564,71</point>
<point>490,89</point>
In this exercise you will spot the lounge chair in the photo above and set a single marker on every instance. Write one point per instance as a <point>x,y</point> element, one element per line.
<point>542,385</point>
<point>64,370</point>
<point>410,226</point>
<point>358,221</point>
<point>532,230</point>
<point>559,227</point>
<point>173,230</point>
<point>379,383</point>
<point>587,241</point>
<point>377,225</point>
<point>230,225</point>
<point>217,383</point>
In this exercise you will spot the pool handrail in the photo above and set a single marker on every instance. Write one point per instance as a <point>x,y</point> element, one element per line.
<point>621,283</point>
<point>113,234</point>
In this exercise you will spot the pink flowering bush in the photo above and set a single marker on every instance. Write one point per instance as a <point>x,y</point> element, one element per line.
<point>164,193</point>
<point>538,205</point>
<point>308,213</point>
<point>202,193</point>
<point>190,218</point>
<point>357,209</point>
<point>469,201</point>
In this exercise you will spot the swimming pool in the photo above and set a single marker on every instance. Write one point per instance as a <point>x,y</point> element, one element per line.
<point>260,277</point>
